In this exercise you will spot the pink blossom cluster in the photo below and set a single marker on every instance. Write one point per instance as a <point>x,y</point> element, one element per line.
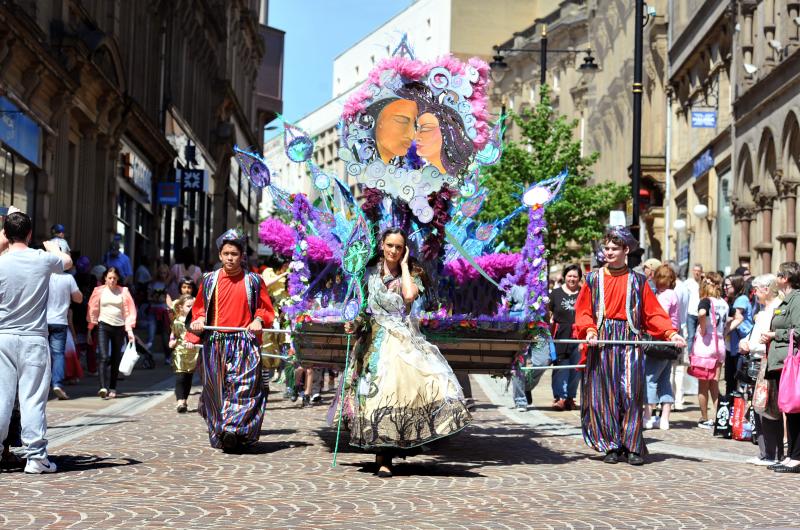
<point>497,266</point>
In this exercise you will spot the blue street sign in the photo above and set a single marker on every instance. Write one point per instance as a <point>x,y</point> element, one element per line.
<point>19,132</point>
<point>703,163</point>
<point>193,180</point>
<point>704,119</point>
<point>168,193</point>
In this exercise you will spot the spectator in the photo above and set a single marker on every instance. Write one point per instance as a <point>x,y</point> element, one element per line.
<point>86,282</point>
<point>657,371</point>
<point>57,237</point>
<point>679,366</point>
<point>649,268</point>
<point>184,266</point>
<point>62,291</point>
<point>769,429</point>
<point>693,286</point>
<point>785,321</point>
<point>186,285</point>
<point>739,325</point>
<point>157,313</point>
<point>120,261</point>
<point>113,312</point>
<point>24,356</point>
<point>141,278</point>
<point>710,301</point>
<point>562,310</point>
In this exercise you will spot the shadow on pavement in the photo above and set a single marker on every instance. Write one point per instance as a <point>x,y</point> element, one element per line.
<point>277,432</point>
<point>413,469</point>
<point>72,463</point>
<point>265,448</point>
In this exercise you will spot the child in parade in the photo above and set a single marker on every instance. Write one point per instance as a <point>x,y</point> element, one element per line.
<point>184,353</point>
<point>615,303</point>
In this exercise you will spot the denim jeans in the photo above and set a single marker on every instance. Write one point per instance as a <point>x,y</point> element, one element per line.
<point>691,329</point>
<point>565,381</point>
<point>58,343</point>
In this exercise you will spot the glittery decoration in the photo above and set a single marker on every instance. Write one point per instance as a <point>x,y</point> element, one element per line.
<point>359,249</point>
<point>544,191</point>
<point>254,166</point>
<point>298,145</point>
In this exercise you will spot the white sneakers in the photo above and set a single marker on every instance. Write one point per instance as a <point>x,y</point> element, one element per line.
<point>59,392</point>
<point>663,424</point>
<point>761,461</point>
<point>651,422</point>
<point>40,466</point>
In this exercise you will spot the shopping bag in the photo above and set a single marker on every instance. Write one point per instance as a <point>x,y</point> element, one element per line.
<point>722,421</point>
<point>741,430</point>
<point>129,358</point>
<point>789,393</point>
<point>72,364</point>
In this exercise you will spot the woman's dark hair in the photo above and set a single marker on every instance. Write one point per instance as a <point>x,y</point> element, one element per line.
<point>17,227</point>
<point>413,265</point>
<point>186,280</point>
<point>791,271</point>
<point>572,267</point>
<point>457,147</point>
<point>109,271</point>
<point>737,281</point>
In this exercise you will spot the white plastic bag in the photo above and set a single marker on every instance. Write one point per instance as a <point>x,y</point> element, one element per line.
<point>129,359</point>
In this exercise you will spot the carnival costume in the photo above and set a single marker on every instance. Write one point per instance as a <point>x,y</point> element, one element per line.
<point>620,306</point>
<point>233,398</point>
<point>184,358</point>
<point>402,392</point>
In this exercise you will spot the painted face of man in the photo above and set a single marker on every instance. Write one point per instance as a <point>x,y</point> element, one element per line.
<point>394,131</point>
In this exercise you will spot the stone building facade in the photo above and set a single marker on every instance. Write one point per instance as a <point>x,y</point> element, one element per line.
<point>100,100</point>
<point>601,102</point>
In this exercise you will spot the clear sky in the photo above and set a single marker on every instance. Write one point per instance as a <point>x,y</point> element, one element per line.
<point>316,32</point>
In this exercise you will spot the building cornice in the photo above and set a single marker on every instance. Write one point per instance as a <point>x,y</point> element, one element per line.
<point>762,93</point>
<point>695,34</point>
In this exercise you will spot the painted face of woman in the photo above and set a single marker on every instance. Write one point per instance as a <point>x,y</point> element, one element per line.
<point>429,140</point>
<point>394,130</point>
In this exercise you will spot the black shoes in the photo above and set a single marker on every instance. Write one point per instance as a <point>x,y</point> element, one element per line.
<point>635,459</point>
<point>615,456</point>
<point>230,443</point>
<point>786,469</point>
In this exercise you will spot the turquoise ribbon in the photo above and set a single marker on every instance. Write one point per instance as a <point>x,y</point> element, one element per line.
<point>461,250</point>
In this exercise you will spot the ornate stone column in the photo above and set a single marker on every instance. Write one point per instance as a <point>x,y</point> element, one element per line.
<point>764,248</point>
<point>743,215</point>
<point>787,190</point>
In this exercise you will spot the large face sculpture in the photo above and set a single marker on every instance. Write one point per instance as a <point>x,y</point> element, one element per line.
<point>412,130</point>
<point>394,130</point>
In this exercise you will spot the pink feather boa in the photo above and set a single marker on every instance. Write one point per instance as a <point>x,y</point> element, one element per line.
<point>281,238</point>
<point>497,266</point>
<point>413,70</point>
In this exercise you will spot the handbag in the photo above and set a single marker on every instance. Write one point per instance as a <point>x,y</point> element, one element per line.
<point>789,393</point>
<point>741,429</point>
<point>722,420</point>
<point>129,358</point>
<point>660,351</point>
<point>709,345</point>
<point>705,354</point>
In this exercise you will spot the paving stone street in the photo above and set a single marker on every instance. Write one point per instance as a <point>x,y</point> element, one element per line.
<point>135,463</point>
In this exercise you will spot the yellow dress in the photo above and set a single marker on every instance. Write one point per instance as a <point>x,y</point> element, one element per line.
<point>184,359</point>
<point>271,342</point>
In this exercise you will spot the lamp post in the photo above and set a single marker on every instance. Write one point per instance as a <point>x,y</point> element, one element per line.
<point>636,165</point>
<point>499,66</point>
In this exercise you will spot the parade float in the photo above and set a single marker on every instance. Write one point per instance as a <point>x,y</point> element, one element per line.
<point>414,140</point>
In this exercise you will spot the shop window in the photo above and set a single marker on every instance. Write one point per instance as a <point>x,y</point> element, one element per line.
<point>16,181</point>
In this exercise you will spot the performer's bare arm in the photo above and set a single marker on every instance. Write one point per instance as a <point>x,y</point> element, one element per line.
<point>409,288</point>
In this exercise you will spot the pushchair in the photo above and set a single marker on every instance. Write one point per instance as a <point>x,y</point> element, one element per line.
<point>146,359</point>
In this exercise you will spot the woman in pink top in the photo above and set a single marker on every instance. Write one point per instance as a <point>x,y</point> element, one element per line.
<point>658,371</point>
<point>113,312</point>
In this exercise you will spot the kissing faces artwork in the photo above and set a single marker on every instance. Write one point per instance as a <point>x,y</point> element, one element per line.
<point>415,127</point>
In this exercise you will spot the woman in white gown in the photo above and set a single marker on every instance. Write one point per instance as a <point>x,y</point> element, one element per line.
<point>401,393</point>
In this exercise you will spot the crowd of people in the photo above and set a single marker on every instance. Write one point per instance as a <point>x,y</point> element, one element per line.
<point>400,393</point>
<point>733,325</point>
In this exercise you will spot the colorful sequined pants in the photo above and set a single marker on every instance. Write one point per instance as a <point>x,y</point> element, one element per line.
<point>233,397</point>
<point>612,401</point>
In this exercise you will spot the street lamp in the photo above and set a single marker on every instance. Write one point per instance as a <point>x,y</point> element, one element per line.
<point>499,66</point>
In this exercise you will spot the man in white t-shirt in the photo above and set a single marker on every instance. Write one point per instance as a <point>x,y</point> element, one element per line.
<point>693,286</point>
<point>24,354</point>
<point>63,290</point>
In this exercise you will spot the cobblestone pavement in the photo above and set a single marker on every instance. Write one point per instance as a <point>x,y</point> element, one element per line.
<point>135,463</point>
